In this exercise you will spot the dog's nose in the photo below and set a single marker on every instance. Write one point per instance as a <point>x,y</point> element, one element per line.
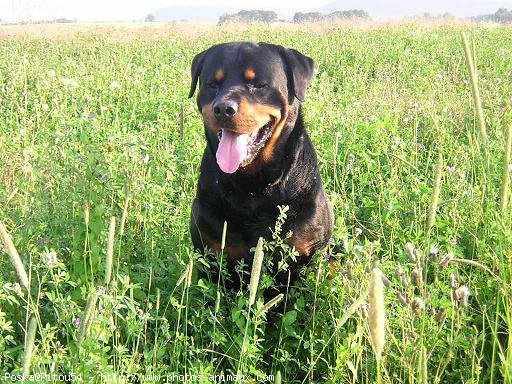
<point>225,109</point>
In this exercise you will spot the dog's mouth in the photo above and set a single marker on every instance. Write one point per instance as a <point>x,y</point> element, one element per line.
<point>240,149</point>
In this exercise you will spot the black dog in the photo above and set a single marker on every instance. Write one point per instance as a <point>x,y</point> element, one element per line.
<point>258,154</point>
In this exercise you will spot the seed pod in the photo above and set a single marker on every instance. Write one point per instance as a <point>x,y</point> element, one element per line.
<point>319,273</point>
<point>404,300</point>
<point>400,275</point>
<point>434,253</point>
<point>417,305</point>
<point>110,250</point>
<point>431,218</point>
<point>453,282</point>
<point>385,281</point>
<point>188,281</point>
<point>271,303</point>
<point>462,295</point>
<point>346,247</point>
<point>217,302</point>
<point>363,309</point>
<point>223,239</point>
<point>376,312</point>
<point>278,378</point>
<point>334,269</point>
<point>399,271</point>
<point>87,318</point>
<point>29,345</point>
<point>424,364</point>
<point>416,277</point>
<point>255,271</point>
<point>440,315</point>
<point>410,252</point>
<point>505,180</point>
<point>350,272</point>
<point>473,76</point>
<point>446,260</point>
<point>86,214</point>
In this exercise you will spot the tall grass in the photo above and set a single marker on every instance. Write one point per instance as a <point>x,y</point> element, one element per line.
<point>99,126</point>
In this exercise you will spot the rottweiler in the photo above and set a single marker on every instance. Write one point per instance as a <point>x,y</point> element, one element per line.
<point>258,155</point>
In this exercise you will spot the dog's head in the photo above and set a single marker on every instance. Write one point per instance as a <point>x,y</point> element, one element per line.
<point>245,95</point>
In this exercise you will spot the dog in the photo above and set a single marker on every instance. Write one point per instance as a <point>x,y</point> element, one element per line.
<point>258,155</point>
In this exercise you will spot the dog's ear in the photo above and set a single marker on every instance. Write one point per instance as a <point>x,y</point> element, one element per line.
<point>300,69</point>
<point>197,66</point>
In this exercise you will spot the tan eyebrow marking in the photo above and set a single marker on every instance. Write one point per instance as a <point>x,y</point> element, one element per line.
<point>219,74</point>
<point>249,74</point>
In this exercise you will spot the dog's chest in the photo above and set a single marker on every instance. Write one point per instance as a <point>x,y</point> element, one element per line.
<point>252,205</point>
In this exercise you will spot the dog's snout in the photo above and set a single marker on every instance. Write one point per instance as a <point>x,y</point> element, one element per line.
<point>225,109</point>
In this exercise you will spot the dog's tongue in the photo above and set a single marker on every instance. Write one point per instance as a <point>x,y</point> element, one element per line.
<point>232,150</point>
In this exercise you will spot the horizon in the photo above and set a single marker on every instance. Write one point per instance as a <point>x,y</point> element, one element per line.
<point>13,11</point>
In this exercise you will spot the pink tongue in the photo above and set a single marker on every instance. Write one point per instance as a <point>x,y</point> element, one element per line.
<point>232,150</point>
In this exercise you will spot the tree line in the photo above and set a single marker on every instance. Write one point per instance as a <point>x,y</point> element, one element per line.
<point>501,16</point>
<point>299,17</point>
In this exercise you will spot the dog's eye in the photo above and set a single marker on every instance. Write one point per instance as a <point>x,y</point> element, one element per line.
<point>260,85</point>
<point>254,86</point>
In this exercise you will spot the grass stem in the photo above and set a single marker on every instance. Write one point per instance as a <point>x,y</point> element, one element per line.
<point>14,256</point>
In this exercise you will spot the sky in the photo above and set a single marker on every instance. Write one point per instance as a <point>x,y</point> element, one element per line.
<point>95,10</point>
<point>127,10</point>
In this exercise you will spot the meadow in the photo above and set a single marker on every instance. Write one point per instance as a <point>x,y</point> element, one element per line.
<point>95,124</point>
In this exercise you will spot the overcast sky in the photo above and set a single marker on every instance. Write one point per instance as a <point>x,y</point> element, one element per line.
<point>120,9</point>
<point>125,10</point>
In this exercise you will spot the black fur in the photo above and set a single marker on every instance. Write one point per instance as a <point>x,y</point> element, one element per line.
<point>248,198</point>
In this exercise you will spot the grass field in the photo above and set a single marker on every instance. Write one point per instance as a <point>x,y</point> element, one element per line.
<point>95,125</point>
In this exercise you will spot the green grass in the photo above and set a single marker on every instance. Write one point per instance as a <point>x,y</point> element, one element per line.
<point>92,128</point>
